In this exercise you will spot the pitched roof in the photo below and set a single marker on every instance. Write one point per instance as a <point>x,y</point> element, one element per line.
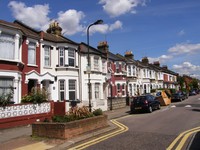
<point>27,30</point>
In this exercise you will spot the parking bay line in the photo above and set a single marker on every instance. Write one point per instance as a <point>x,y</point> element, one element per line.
<point>180,136</point>
<point>122,129</point>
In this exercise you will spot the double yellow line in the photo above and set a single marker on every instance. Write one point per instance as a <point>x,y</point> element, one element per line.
<point>184,135</point>
<point>122,128</point>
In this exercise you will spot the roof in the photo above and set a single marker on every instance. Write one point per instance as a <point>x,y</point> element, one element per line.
<point>84,49</point>
<point>28,31</point>
<point>56,38</point>
<point>9,25</point>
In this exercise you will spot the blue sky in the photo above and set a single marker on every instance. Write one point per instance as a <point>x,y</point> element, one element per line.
<point>164,30</point>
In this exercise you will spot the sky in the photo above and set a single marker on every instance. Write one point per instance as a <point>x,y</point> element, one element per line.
<point>162,30</point>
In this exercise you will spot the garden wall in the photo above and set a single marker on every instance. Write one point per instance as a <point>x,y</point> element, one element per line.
<point>116,103</point>
<point>70,129</point>
<point>24,114</point>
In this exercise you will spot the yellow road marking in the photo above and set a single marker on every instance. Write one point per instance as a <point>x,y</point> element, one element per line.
<point>122,129</point>
<point>38,146</point>
<point>179,137</point>
<point>182,142</point>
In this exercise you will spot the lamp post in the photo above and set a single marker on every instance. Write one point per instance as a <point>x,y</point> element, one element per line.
<point>89,66</point>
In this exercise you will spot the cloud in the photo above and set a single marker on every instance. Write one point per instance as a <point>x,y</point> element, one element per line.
<point>161,59</point>
<point>119,7</point>
<point>116,25</point>
<point>187,48</point>
<point>35,17</point>
<point>188,68</point>
<point>181,33</point>
<point>105,28</point>
<point>70,21</point>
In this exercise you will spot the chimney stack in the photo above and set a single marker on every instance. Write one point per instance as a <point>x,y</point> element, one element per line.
<point>156,63</point>
<point>129,55</point>
<point>54,28</point>
<point>145,60</point>
<point>104,47</point>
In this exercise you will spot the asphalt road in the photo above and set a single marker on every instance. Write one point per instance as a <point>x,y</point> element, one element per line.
<point>157,130</point>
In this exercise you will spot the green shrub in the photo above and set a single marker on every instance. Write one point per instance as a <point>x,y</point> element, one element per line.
<point>75,113</point>
<point>98,112</point>
<point>37,95</point>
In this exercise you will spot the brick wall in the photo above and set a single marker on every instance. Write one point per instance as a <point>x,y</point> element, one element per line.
<point>70,129</point>
<point>117,102</point>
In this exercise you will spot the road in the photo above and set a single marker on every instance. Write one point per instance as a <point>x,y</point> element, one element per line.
<point>157,130</point>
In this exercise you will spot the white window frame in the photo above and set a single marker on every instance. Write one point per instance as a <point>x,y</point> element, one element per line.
<point>72,88</point>
<point>97,90</point>
<point>47,56</point>
<point>61,56</point>
<point>117,67</point>
<point>62,89</point>
<point>103,66</point>
<point>7,46</point>
<point>32,48</point>
<point>71,56</point>
<point>96,63</point>
<point>6,83</point>
<point>123,89</point>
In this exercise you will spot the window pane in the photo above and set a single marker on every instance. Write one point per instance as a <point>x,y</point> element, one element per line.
<point>72,89</point>
<point>31,53</point>
<point>71,53</point>
<point>97,93</point>
<point>61,56</point>
<point>7,46</point>
<point>47,56</point>
<point>71,62</point>
<point>72,95</point>
<point>5,86</point>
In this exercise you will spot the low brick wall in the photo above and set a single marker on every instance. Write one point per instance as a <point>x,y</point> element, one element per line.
<point>116,102</point>
<point>70,129</point>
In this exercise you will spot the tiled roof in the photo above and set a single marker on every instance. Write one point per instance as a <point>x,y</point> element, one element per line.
<point>9,24</point>
<point>56,38</point>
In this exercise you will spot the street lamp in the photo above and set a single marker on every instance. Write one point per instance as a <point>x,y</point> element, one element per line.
<point>89,66</point>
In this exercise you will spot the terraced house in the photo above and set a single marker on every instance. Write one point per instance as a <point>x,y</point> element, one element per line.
<point>31,58</point>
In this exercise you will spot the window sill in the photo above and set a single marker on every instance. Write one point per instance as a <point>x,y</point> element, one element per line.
<point>45,67</point>
<point>32,65</point>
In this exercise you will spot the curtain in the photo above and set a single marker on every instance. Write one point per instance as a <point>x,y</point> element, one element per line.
<point>7,46</point>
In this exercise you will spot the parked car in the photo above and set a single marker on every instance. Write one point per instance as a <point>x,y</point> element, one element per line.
<point>146,103</point>
<point>185,94</point>
<point>191,93</point>
<point>178,96</point>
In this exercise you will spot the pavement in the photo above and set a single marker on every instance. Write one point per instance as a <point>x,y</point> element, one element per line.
<point>19,138</point>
